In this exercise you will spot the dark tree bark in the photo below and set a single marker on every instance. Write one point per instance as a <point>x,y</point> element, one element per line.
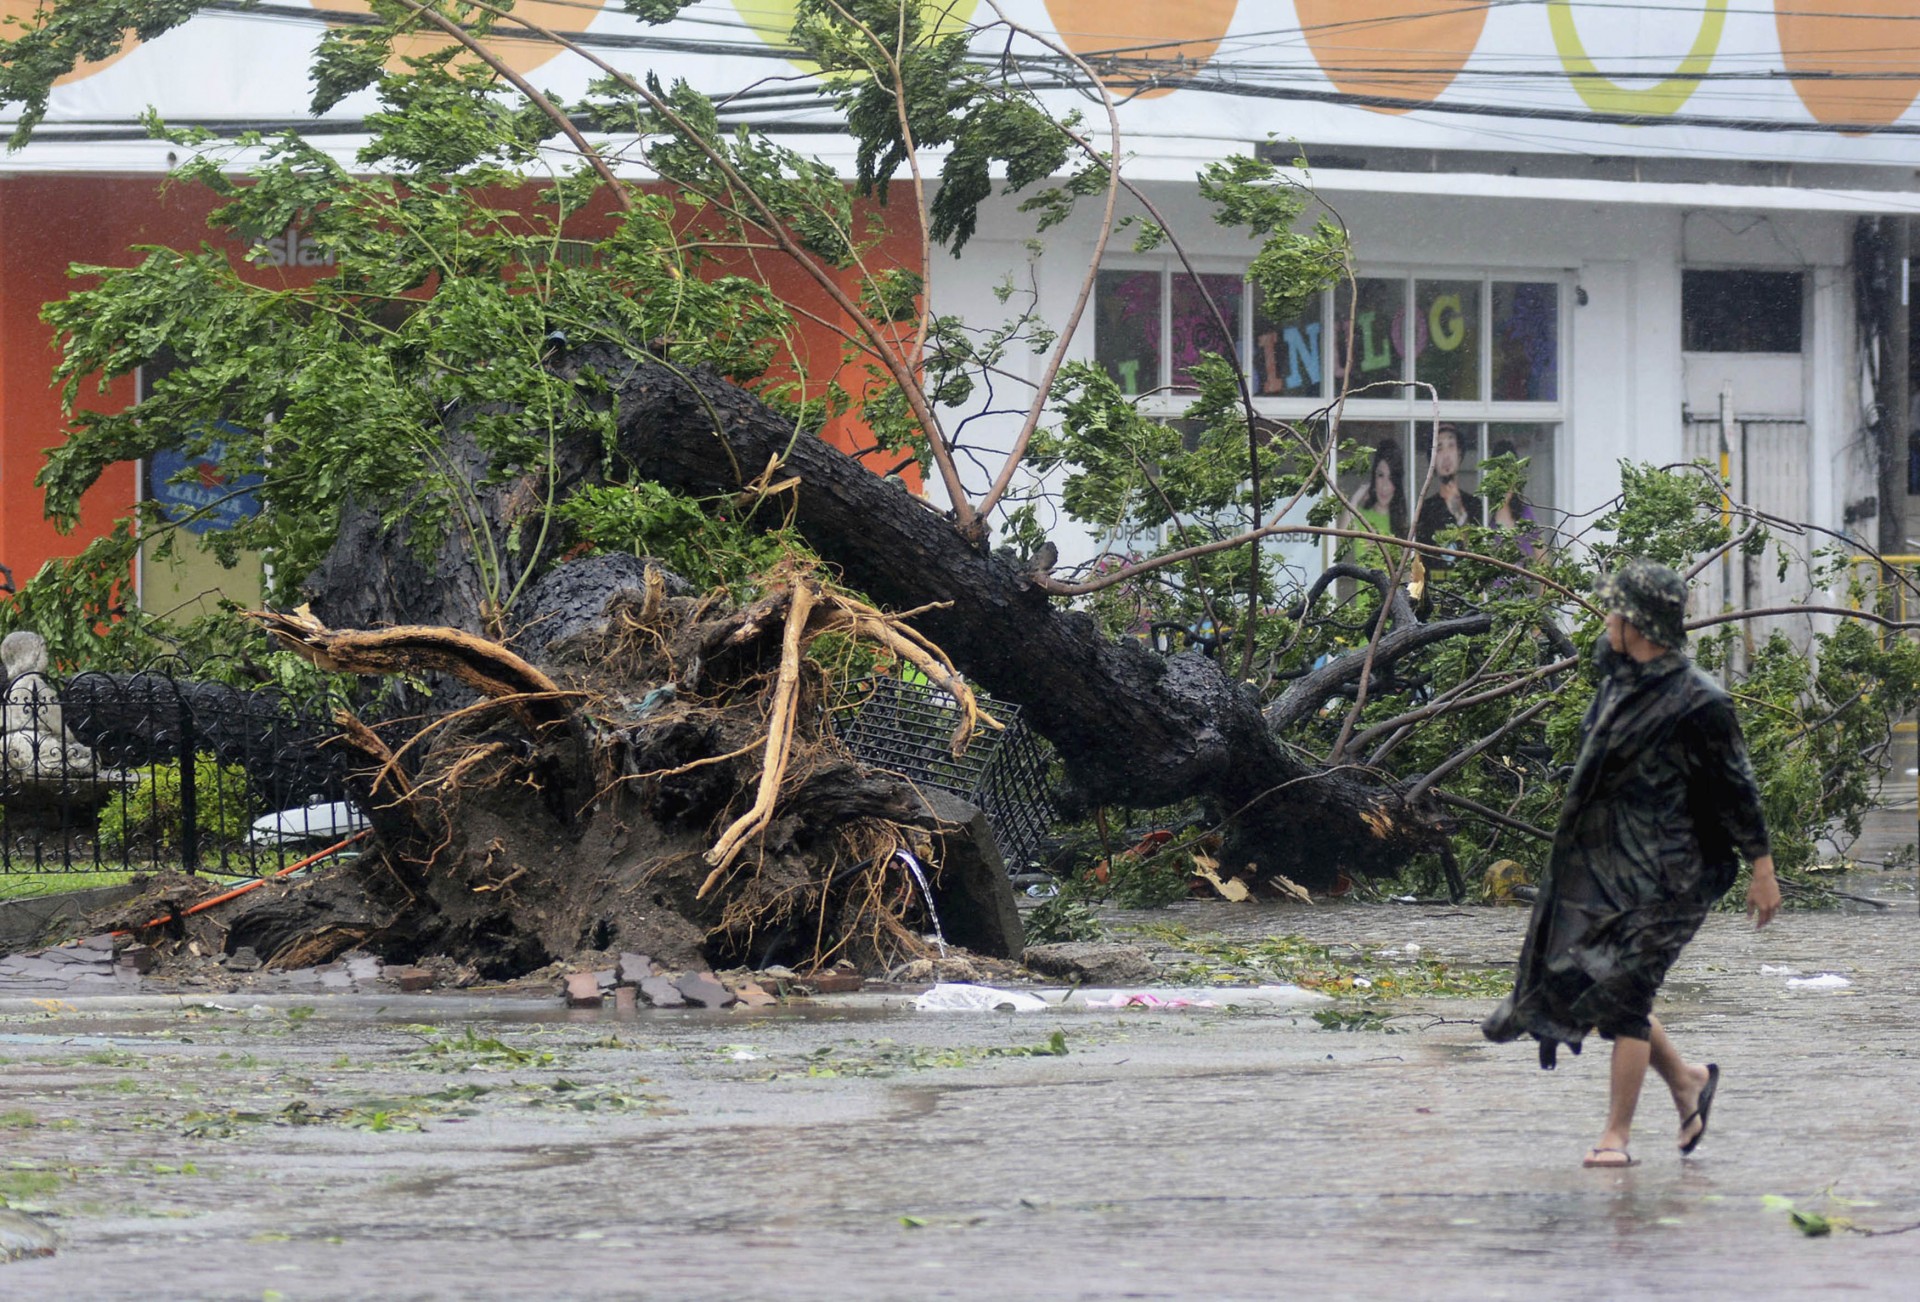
<point>1133,727</point>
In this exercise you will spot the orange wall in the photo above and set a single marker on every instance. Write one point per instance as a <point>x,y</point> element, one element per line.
<point>49,222</point>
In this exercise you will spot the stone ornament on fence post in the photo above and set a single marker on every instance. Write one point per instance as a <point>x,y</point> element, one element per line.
<point>34,742</point>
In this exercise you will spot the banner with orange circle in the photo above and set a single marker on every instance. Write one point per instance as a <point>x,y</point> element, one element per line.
<point>1366,72</point>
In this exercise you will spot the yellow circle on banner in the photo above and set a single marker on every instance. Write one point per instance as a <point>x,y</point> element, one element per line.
<point>23,12</point>
<point>772,20</point>
<point>1141,33</point>
<point>1837,39</point>
<point>1404,49</point>
<point>1607,96</point>
<point>509,42</point>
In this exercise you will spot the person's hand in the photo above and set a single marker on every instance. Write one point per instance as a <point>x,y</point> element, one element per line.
<point>1763,892</point>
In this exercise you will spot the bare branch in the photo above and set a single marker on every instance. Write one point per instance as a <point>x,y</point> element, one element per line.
<point>1057,357</point>
<point>1060,589</point>
<point>1844,612</point>
<point>1492,815</point>
<point>1307,694</point>
<point>1452,703</point>
<point>902,372</point>
<point>1454,762</point>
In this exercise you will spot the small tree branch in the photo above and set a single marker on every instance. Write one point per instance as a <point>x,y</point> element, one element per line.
<point>1060,589</point>
<point>1453,763</point>
<point>1057,357</point>
<point>527,88</point>
<point>964,514</point>
<point>1306,695</point>
<point>1479,810</point>
<point>1844,612</point>
<point>1453,703</point>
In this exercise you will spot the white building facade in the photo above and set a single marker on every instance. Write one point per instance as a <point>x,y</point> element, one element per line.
<point>1593,229</point>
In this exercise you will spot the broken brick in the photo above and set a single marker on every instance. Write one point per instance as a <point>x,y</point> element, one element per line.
<point>626,999</point>
<point>703,990</point>
<point>661,992</point>
<point>583,990</point>
<point>833,983</point>
<point>754,996</point>
<point>411,978</point>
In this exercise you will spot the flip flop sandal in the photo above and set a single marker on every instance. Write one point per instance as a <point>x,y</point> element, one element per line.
<point>1701,1109</point>
<point>1609,1166</point>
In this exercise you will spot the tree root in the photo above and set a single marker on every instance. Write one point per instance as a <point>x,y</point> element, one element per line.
<point>786,696</point>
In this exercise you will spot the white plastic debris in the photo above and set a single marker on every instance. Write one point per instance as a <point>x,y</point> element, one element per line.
<point>963,997</point>
<point>1412,948</point>
<point>1825,981</point>
<point>1273,996</point>
<point>1148,999</point>
<point>1768,969</point>
<point>319,822</point>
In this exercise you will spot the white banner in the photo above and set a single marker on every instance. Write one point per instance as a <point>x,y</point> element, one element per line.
<point>1649,78</point>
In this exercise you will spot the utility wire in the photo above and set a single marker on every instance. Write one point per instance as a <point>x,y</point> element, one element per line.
<point>1234,79</point>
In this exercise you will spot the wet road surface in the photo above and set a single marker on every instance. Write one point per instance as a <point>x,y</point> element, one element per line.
<point>429,1146</point>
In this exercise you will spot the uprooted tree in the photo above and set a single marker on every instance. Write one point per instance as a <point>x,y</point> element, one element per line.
<point>457,425</point>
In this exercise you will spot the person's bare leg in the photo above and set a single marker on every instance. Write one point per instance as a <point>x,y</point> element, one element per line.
<point>1684,1079</point>
<point>1629,1070</point>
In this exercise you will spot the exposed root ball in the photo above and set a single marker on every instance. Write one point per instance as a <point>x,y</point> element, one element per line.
<point>665,781</point>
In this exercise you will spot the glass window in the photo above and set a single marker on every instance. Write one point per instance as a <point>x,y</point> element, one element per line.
<point>1446,471</point>
<point>1446,324</point>
<point>1528,512</point>
<point>1289,357</point>
<point>1526,341</point>
<point>1475,340</point>
<point>1380,490</point>
<point>1126,328</point>
<point>1534,444</point>
<point>1371,319</point>
<point>1740,311</point>
<point>1195,328</point>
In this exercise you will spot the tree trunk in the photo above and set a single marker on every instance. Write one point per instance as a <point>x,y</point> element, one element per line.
<point>1133,727</point>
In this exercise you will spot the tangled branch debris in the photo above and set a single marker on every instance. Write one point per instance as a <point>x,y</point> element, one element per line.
<point>601,799</point>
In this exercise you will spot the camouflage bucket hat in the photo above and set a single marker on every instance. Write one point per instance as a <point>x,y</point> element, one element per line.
<point>1651,597</point>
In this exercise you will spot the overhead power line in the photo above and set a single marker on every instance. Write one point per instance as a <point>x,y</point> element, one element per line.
<point>1239,78</point>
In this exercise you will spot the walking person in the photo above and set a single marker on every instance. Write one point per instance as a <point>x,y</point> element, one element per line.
<point>1661,798</point>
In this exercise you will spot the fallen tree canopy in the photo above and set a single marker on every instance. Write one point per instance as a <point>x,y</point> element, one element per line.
<point>1131,727</point>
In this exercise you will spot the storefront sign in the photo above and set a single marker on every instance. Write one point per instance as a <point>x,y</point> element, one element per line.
<point>200,491</point>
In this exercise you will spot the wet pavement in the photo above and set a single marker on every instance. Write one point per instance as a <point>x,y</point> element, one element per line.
<point>406,1146</point>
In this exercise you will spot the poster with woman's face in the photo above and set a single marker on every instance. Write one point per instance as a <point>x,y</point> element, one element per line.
<point>1378,489</point>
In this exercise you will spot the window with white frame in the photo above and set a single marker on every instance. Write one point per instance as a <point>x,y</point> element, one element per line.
<point>1480,353</point>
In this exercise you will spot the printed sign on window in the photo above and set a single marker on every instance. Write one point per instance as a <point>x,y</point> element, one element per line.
<point>200,491</point>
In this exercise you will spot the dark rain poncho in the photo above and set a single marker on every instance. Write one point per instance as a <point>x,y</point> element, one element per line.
<point>1662,796</point>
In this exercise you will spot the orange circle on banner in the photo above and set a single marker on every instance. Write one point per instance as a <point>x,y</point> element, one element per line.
<point>26,10</point>
<point>1852,37</point>
<point>509,42</point>
<point>1140,33</point>
<point>1408,49</point>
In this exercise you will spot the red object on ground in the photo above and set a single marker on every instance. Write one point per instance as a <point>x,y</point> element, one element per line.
<point>238,891</point>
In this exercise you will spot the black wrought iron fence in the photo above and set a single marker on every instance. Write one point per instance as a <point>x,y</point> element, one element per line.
<point>164,768</point>
<point>906,728</point>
